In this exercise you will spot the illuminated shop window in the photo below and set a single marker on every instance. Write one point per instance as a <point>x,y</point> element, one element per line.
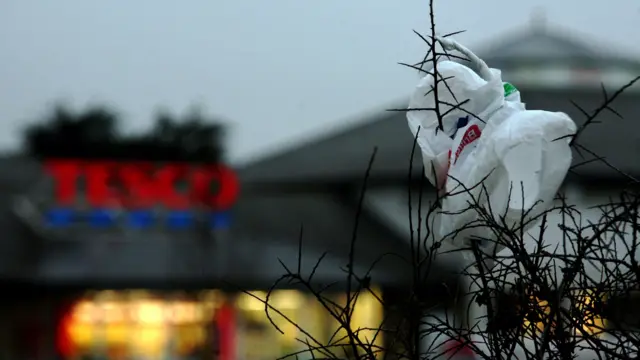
<point>588,309</point>
<point>537,316</point>
<point>262,341</point>
<point>590,306</point>
<point>142,325</point>
<point>135,323</point>
<point>366,320</point>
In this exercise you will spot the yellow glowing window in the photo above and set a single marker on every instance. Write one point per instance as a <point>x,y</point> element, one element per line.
<point>305,311</point>
<point>537,316</point>
<point>134,323</point>
<point>366,320</point>
<point>589,305</point>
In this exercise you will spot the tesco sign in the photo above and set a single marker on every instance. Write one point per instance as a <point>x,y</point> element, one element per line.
<point>137,190</point>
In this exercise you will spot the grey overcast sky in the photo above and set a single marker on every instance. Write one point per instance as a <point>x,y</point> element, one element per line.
<point>279,71</point>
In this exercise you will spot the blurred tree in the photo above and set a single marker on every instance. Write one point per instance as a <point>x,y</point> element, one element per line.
<point>65,134</point>
<point>94,134</point>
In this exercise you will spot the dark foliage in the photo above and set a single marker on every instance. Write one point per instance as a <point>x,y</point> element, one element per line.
<point>95,134</point>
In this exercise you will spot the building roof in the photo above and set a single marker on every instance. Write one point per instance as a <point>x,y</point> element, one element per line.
<point>344,156</point>
<point>536,44</point>
<point>341,156</point>
<point>540,40</point>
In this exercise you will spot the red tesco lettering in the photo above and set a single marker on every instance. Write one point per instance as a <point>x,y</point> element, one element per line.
<point>143,184</point>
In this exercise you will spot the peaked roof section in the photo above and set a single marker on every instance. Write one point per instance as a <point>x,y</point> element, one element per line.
<point>540,43</point>
<point>551,43</point>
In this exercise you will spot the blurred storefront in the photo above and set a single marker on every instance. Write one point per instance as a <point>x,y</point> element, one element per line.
<point>132,284</point>
<point>208,324</point>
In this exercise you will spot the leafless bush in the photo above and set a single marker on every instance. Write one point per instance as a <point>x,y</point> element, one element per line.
<point>533,300</point>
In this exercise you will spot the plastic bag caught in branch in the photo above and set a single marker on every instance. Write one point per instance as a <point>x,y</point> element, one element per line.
<point>489,144</point>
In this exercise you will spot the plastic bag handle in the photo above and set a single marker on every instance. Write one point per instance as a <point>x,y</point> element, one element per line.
<point>483,69</point>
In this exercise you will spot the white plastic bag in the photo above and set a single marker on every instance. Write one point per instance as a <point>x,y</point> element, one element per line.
<point>490,145</point>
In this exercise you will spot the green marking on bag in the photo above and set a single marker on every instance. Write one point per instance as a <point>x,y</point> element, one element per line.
<point>509,89</point>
